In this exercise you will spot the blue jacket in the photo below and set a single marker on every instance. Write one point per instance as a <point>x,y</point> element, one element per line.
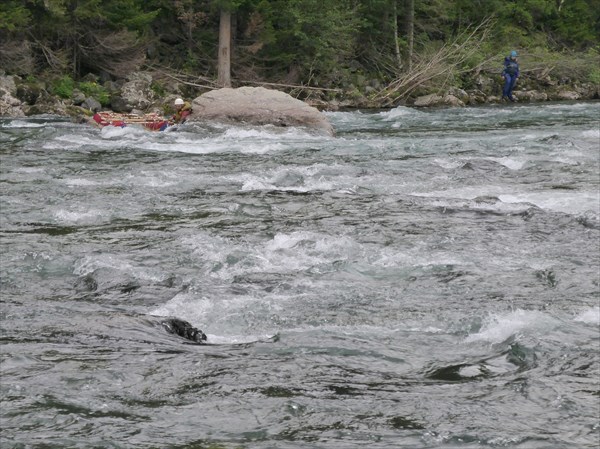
<point>511,67</point>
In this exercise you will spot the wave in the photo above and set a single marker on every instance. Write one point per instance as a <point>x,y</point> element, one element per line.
<point>400,111</point>
<point>16,123</point>
<point>589,316</point>
<point>92,216</point>
<point>497,328</point>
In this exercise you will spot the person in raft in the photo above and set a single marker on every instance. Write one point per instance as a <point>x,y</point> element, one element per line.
<point>182,110</point>
<point>510,74</point>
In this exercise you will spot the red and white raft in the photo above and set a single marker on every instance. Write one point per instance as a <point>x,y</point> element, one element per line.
<point>152,122</point>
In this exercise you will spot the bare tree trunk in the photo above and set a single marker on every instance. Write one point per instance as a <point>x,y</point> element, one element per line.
<point>224,64</point>
<point>410,28</point>
<point>395,29</point>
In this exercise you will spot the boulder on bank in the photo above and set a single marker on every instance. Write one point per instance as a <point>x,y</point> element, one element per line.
<point>136,93</point>
<point>531,95</point>
<point>438,100</point>
<point>257,106</point>
<point>10,105</point>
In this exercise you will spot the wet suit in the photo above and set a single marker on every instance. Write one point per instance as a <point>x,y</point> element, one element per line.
<point>510,75</point>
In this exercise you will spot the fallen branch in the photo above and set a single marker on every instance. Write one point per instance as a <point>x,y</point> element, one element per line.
<point>446,61</point>
<point>188,83</point>
<point>213,84</point>
<point>291,86</point>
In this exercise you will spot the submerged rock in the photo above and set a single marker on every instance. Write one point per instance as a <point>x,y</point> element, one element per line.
<point>257,106</point>
<point>184,329</point>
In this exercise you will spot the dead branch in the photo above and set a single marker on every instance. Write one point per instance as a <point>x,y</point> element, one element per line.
<point>179,77</point>
<point>448,60</point>
<point>291,86</point>
<point>16,56</point>
<point>118,53</point>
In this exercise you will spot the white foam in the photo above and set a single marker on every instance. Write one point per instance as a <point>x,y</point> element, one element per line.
<point>400,111</point>
<point>448,164</point>
<point>566,202</point>
<point>184,305</point>
<point>499,327</point>
<point>89,216</point>
<point>23,124</point>
<point>305,179</point>
<point>267,133</point>
<point>512,164</point>
<point>110,132</point>
<point>80,182</point>
<point>591,134</point>
<point>297,251</point>
<point>590,316</point>
<point>466,193</point>
<point>30,169</point>
<point>236,339</point>
<point>571,202</point>
<point>89,264</point>
<point>70,141</point>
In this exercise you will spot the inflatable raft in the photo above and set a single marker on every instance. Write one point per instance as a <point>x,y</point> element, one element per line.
<point>152,122</point>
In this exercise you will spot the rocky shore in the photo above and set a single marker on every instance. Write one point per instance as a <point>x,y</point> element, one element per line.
<point>21,97</point>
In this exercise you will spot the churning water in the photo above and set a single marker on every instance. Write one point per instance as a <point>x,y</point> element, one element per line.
<point>425,279</point>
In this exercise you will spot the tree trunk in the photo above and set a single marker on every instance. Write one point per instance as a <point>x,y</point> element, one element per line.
<point>224,64</point>
<point>395,30</point>
<point>410,29</point>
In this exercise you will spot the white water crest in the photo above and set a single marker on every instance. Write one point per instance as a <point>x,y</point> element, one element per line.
<point>499,327</point>
<point>590,316</point>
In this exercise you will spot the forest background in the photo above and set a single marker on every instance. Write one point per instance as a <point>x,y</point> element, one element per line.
<point>367,52</point>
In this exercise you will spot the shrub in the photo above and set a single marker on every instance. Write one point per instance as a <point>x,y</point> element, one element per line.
<point>158,89</point>
<point>594,76</point>
<point>92,89</point>
<point>63,87</point>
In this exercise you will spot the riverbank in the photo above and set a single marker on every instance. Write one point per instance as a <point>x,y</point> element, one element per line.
<point>144,92</point>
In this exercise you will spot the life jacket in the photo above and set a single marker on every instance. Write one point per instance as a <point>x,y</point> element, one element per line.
<point>511,67</point>
<point>185,110</point>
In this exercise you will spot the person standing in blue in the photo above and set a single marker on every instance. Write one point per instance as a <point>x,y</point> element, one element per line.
<point>510,74</point>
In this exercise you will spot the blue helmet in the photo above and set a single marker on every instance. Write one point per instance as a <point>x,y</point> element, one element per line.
<point>513,54</point>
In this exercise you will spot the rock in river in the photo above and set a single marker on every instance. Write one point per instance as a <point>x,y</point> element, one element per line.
<point>257,106</point>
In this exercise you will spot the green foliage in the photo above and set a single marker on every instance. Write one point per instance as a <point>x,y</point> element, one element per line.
<point>129,14</point>
<point>594,76</point>
<point>158,89</point>
<point>578,23</point>
<point>13,15</point>
<point>63,87</point>
<point>312,36</point>
<point>326,43</point>
<point>92,89</point>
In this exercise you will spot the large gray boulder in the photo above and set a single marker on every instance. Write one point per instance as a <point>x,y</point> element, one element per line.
<point>136,93</point>
<point>257,106</point>
<point>438,100</point>
<point>10,105</point>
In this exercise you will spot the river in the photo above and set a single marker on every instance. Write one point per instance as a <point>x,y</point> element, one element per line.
<point>424,279</point>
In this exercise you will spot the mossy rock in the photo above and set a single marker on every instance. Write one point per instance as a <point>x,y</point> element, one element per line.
<point>29,92</point>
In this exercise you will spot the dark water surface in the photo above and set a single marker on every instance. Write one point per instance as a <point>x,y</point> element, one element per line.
<point>425,279</point>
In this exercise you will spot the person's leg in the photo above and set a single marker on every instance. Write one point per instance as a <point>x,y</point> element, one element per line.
<point>512,86</point>
<point>506,90</point>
